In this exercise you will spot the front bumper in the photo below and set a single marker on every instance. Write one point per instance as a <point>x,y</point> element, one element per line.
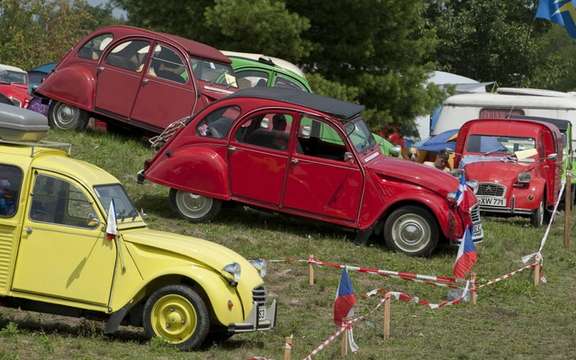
<point>261,318</point>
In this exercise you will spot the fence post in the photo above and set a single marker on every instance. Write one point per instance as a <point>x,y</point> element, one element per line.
<point>387,301</point>
<point>474,292</point>
<point>568,210</point>
<point>288,347</point>
<point>344,344</point>
<point>537,269</point>
<point>311,272</point>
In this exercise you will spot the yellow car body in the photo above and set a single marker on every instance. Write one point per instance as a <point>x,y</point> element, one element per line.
<point>75,269</point>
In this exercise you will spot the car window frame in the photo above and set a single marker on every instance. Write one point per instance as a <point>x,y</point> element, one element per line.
<point>195,125</point>
<point>279,75</point>
<point>269,74</point>
<point>104,51</point>
<point>112,46</point>
<point>183,59</point>
<point>85,191</point>
<point>18,197</point>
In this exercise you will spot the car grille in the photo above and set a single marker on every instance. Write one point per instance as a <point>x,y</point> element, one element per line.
<point>259,295</point>
<point>475,215</point>
<point>491,189</point>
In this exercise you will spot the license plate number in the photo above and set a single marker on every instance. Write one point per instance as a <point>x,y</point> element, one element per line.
<point>261,314</point>
<point>491,201</point>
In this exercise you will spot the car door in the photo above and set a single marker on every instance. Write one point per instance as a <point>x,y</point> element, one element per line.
<point>63,252</point>
<point>258,157</point>
<point>322,180</point>
<point>118,77</point>
<point>167,90</point>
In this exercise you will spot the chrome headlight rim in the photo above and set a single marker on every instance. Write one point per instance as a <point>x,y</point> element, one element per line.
<point>473,185</point>
<point>261,266</point>
<point>234,270</point>
<point>524,178</point>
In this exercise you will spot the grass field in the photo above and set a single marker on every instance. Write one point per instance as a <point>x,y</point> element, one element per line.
<point>513,319</point>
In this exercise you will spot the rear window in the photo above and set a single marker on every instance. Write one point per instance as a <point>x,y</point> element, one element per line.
<point>94,48</point>
<point>10,185</point>
<point>218,123</point>
<point>489,113</point>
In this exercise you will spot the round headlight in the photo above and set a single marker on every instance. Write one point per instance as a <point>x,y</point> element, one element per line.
<point>524,177</point>
<point>473,184</point>
<point>451,197</point>
<point>261,265</point>
<point>233,269</point>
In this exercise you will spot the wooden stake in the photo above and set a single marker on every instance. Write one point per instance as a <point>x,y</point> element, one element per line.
<point>288,347</point>
<point>387,302</point>
<point>311,273</point>
<point>473,292</point>
<point>344,343</point>
<point>537,273</point>
<point>568,210</point>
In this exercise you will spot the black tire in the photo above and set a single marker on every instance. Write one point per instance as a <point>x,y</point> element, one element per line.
<point>159,302</point>
<point>538,217</point>
<point>195,208</point>
<point>412,230</point>
<point>219,334</point>
<point>66,117</point>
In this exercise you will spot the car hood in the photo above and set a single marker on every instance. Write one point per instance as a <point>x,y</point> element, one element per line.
<point>210,254</point>
<point>408,171</point>
<point>496,171</point>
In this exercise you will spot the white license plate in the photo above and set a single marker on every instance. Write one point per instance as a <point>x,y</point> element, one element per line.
<point>261,314</point>
<point>491,201</point>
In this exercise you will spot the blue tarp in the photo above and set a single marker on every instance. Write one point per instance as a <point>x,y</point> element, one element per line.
<point>439,142</point>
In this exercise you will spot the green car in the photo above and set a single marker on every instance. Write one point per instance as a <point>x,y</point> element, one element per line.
<point>257,70</point>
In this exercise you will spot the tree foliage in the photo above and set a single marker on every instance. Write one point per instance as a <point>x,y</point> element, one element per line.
<point>34,32</point>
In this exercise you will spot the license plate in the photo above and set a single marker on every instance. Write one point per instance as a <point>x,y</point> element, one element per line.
<point>261,314</point>
<point>491,201</point>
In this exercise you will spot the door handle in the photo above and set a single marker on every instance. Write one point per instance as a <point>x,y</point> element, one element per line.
<point>294,161</point>
<point>232,148</point>
<point>28,230</point>
<point>99,69</point>
<point>145,81</point>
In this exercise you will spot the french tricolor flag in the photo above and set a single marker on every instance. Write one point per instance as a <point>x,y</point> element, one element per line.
<point>467,255</point>
<point>345,298</point>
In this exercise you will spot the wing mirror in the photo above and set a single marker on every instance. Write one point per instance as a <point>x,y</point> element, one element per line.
<point>348,156</point>
<point>93,221</point>
<point>552,157</point>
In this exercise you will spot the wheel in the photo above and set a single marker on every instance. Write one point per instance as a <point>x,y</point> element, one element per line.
<point>412,230</point>
<point>196,208</point>
<point>178,315</point>
<point>538,216</point>
<point>66,117</point>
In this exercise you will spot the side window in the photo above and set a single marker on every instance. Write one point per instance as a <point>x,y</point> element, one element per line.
<point>283,82</point>
<point>57,201</point>
<point>93,49</point>
<point>166,64</point>
<point>218,123</point>
<point>319,139</point>
<point>252,78</point>
<point>129,55</point>
<point>10,185</point>
<point>267,130</point>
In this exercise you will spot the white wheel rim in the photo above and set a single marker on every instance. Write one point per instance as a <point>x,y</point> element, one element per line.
<point>411,233</point>
<point>66,117</point>
<point>193,206</point>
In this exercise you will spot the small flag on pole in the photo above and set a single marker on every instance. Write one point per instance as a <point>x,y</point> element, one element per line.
<point>111,226</point>
<point>461,192</point>
<point>345,298</point>
<point>467,255</point>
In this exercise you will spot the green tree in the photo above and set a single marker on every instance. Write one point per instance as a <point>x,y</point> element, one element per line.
<point>34,32</point>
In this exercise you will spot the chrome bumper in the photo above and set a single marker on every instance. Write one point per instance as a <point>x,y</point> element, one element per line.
<point>254,322</point>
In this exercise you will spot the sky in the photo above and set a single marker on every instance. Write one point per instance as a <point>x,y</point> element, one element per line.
<point>118,13</point>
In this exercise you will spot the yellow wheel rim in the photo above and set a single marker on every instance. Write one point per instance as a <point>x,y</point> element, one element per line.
<point>174,318</point>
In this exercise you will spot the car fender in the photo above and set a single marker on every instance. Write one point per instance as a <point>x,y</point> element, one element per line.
<point>450,224</point>
<point>57,86</point>
<point>537,189</point>
<point>199,169</point>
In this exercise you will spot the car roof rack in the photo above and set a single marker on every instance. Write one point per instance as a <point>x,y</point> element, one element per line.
<point>40,144</point>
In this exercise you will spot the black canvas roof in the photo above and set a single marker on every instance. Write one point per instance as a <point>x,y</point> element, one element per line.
<point>338,108</point>
<point>561,124</point>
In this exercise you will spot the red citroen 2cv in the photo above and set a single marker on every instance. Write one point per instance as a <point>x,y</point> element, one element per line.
<point>517,163</point>
<point>135,76</point>
<point>312,156</point>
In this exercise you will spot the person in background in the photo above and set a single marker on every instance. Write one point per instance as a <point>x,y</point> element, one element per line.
<point>6,200</point>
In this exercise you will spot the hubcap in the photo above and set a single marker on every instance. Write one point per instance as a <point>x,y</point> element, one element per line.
<point>66,117</point>
<point>411,233</point>
<point>173,318</point>
<point>192,205</point>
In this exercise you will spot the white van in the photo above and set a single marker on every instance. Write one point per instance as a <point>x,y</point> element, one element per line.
<point>458,109</point>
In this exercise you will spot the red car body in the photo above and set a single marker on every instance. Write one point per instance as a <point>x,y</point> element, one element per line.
<point>488,149</point>
<point>358,188</point>
<point>136,76</point>
<point>17,93</point>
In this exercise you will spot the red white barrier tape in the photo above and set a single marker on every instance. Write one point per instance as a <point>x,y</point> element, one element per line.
<point>401,296</point>
<point>444,281</point>
<point>506,276</point>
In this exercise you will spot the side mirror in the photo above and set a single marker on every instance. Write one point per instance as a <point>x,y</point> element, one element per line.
<point>552,157</point>
<point>348,156</point>
<point>93,221</point>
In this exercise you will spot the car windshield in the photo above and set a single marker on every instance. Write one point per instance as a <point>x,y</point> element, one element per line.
<point>13,77</point>
<point>491,144</point>
<point>122,203</point>
<point>214,72</point>
<point>358,132</point>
